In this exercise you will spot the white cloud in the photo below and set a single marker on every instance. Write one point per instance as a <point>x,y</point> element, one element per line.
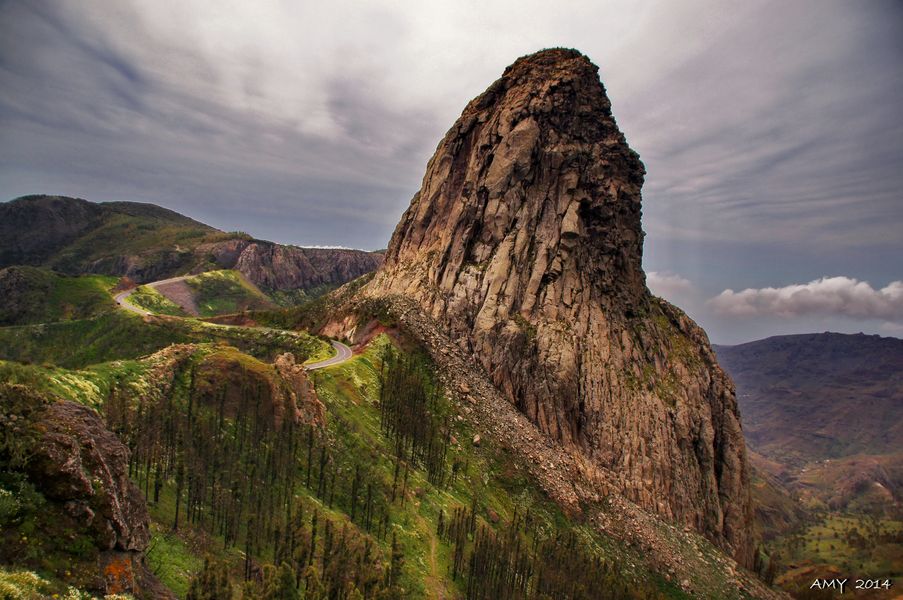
<point>828,296</point>
<point>668,285</point>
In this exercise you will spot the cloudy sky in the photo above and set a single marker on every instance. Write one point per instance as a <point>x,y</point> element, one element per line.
<point>772,131</point>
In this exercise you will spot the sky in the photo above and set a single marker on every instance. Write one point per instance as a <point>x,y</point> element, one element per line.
<point>772,131</point>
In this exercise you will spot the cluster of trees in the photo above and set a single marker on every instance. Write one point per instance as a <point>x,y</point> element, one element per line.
<point>413,414</point>
<point>515,561</point>
<point>872,535</point>
<point>234,465</point>
<point>230,462</point>
<point>319,559</point>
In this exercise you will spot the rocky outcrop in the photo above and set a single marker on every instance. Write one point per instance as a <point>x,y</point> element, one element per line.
<point>81,469</point>
<point>277,267</point>
<point>301,392</point>
<point>81,463</point>
<point>525,244</point>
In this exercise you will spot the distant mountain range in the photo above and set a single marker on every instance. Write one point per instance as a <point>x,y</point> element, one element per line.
<point>146,243</point>
<point>823,414</point>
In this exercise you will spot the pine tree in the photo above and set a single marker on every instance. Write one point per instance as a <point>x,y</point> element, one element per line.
<point>212,583</point>
<point>282,585</point>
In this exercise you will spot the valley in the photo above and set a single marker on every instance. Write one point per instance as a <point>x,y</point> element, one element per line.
<point>822,415</point>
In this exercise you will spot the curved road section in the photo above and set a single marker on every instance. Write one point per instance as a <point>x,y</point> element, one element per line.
<point>122,300</point>
<point>122,297</point>
<point>343,352</point>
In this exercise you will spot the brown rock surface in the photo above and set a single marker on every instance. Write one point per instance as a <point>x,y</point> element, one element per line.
<point>81,468</point>
<point>80,462</point>
<point>524,244</point>
<point>280,267</point>
<point>302,394</point>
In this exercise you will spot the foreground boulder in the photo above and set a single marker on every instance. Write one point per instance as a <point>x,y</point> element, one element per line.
<point>71,479</point>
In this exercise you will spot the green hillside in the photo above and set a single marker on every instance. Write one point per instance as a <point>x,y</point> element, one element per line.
<point>384,495</point>
<point>149,299</point>
<point>75,236</point>
<point>33,295</point>
<point>121,335</point>
<point>224,292</point>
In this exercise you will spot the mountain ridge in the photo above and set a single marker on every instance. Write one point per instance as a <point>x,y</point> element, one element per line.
<point>146,242</point>
<point>825,408</point>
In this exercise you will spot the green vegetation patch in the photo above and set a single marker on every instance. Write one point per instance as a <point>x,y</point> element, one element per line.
<point>290,298</point>
<point>124,336</point>
<point>74,344</point>
<point>32,295</point>
<point>151,300</point>
<point>225,292</point>
<point>171,557</point>
<point>159,236</point>
<point>395,450</point>
<point>858,545</point>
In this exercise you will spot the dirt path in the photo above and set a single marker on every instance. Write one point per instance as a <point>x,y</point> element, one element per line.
<point>435,586</point>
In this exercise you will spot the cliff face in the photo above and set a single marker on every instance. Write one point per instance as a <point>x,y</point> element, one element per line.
<point>525,243</point>
<point>279,267</point>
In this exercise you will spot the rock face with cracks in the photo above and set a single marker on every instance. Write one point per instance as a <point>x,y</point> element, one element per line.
<point>525,244</point>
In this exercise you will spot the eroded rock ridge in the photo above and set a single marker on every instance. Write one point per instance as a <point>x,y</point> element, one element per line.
<point>525,243</point>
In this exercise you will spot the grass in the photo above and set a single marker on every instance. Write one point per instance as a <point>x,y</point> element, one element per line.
<point>151,300</point>
<point>74,344</point>
<point>171,556</point>
<point>856,545</point>
<point>225,292</point>
<point>491,475</point>
<point>125,336</point>
<point>33,295</point>
<point>290,298</point>
<point>156,235</point>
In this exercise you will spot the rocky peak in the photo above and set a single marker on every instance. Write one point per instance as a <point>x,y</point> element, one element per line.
<point>534,179</point>
<point>525,244</point>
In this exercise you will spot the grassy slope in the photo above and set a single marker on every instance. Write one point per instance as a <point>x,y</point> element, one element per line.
<point>827,548</point>
<point>290,298</point>
<point>224,292</point>
<point>150,299</point>
<point>33,295</point>
<point>122,335</point>
<point>133,229</point>
<point>349,392</point>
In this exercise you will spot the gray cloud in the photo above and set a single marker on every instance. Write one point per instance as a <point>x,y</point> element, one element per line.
<point>832,296</point>
<point>769,129</point>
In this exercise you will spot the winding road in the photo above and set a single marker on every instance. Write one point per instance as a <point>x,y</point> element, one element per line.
<point>122,300</point>
<point>343,352</point>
